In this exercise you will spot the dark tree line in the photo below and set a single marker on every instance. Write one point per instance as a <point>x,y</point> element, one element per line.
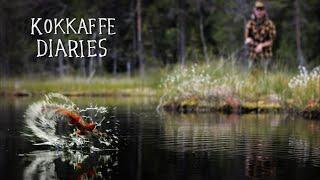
<point>155,34</point>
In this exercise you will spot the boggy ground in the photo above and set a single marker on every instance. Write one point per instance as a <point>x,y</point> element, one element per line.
<point>226,87</point>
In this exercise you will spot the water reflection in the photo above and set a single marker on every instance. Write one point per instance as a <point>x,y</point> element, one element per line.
<point>170,146</point>
<point>70,164</point>
<point>262,140</point>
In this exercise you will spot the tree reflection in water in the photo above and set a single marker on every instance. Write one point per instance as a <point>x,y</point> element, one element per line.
<point>261,140</point>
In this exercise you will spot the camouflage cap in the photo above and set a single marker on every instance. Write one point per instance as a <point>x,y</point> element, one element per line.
<point>259,4</point>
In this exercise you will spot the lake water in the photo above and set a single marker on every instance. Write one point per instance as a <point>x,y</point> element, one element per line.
<point>168,146</point>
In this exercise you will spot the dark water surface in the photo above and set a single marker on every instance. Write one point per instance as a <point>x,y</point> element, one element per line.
<point>169,146</point>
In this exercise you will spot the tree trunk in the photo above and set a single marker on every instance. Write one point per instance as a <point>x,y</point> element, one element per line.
<point>100,64</point>
<point>92,60</point>
<point>128,69</point>
<point>83,67</point>
<point>154,47</point>
<point>203,40</point>
<point>300,58</point>
<point>139,38</point>
<point>134,44</point>
<point>91,68</point>
<point>100,70</point>
<point>181,31</point>
<point>60,64</point>
<point>4,63</point>
<point>115,65</point>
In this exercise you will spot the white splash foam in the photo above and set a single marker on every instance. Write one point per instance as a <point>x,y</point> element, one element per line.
<point>41,123</point>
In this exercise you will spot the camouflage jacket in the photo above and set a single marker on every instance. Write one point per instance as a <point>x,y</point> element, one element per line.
<point>260,32</point>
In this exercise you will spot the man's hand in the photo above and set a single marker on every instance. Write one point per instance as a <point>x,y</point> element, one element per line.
<point>248,41</point>
<point>259,48</point>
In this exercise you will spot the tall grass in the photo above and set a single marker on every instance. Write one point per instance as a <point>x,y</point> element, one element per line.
<point>212,84</point>
<point>305,88</point>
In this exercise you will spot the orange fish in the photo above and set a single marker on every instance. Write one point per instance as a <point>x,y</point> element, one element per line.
<point>76,120</point>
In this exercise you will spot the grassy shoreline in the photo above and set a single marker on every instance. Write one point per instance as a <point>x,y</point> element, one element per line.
<point>225,86</point>
<point>75,86</point>
<point>222,86</point>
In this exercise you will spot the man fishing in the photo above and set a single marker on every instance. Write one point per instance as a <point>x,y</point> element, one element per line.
<point>260,33</point>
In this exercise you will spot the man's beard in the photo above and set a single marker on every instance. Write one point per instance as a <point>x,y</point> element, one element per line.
<point>260,20</point>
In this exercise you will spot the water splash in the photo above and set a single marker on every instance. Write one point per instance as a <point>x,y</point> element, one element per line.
<point>43,126</point>
<point>45,164</point>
